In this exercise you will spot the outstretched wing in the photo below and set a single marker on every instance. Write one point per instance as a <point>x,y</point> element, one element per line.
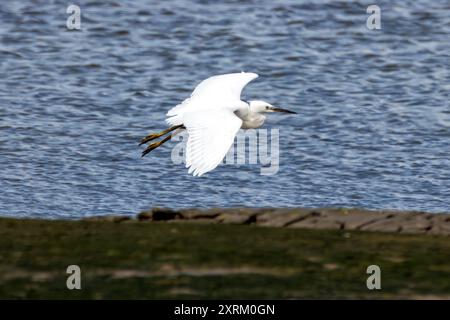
<point>212,93</point>
<point>226,87</point>
<point>211,134</point>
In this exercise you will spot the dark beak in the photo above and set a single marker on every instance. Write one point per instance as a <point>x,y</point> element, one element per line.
<point>283,110</point>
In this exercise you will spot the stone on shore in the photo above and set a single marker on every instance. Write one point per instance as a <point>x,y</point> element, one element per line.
<point>158,214</point>
<point>322,218</point>
<point>282,217</point>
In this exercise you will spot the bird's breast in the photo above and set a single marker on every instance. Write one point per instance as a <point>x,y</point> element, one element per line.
<point>254,121</point>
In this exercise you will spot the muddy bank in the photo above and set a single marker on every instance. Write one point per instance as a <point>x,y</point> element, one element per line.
<point>182,258</point>
<point>407,222</point>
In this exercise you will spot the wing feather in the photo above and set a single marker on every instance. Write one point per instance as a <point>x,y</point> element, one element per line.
<point>210,136</point>
<point>221,89</point>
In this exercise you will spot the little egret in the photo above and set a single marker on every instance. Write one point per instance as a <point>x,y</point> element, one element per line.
<point>212,116</point>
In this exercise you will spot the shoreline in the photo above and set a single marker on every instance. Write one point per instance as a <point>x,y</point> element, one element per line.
<point>208,257</point>
<point>404,222</point>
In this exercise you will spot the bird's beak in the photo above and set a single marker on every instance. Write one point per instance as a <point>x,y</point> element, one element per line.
<point>274,109</point>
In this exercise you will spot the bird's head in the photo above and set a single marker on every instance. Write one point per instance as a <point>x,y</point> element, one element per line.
<point>260,106</point>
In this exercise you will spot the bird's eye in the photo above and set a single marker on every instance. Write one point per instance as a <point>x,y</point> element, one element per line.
<point>267,107</point>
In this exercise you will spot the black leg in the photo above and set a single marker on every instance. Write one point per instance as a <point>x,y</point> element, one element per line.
<point>153,136</point>
<point>155,145</point>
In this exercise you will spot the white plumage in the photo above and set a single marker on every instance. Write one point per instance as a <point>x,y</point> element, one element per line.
<point>209,118</point>
<point>221,91</point>
<point>212,116</point>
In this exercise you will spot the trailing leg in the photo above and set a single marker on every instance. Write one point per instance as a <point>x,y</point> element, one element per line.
<point>155,145</point>
<point>153,136</point>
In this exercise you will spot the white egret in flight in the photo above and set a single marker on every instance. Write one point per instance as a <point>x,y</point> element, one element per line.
<point>212,116</point>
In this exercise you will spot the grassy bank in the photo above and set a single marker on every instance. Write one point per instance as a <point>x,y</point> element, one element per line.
<point>192,260</point>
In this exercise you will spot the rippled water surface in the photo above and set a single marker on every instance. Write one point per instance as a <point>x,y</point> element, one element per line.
<point>373,127</point>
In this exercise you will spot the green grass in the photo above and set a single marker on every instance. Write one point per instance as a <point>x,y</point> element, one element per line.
<point>140,260</point>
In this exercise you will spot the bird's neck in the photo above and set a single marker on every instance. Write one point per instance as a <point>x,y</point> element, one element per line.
<point>243,108</point>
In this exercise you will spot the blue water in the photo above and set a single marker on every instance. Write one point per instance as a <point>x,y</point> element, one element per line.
<point>373,123</point>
